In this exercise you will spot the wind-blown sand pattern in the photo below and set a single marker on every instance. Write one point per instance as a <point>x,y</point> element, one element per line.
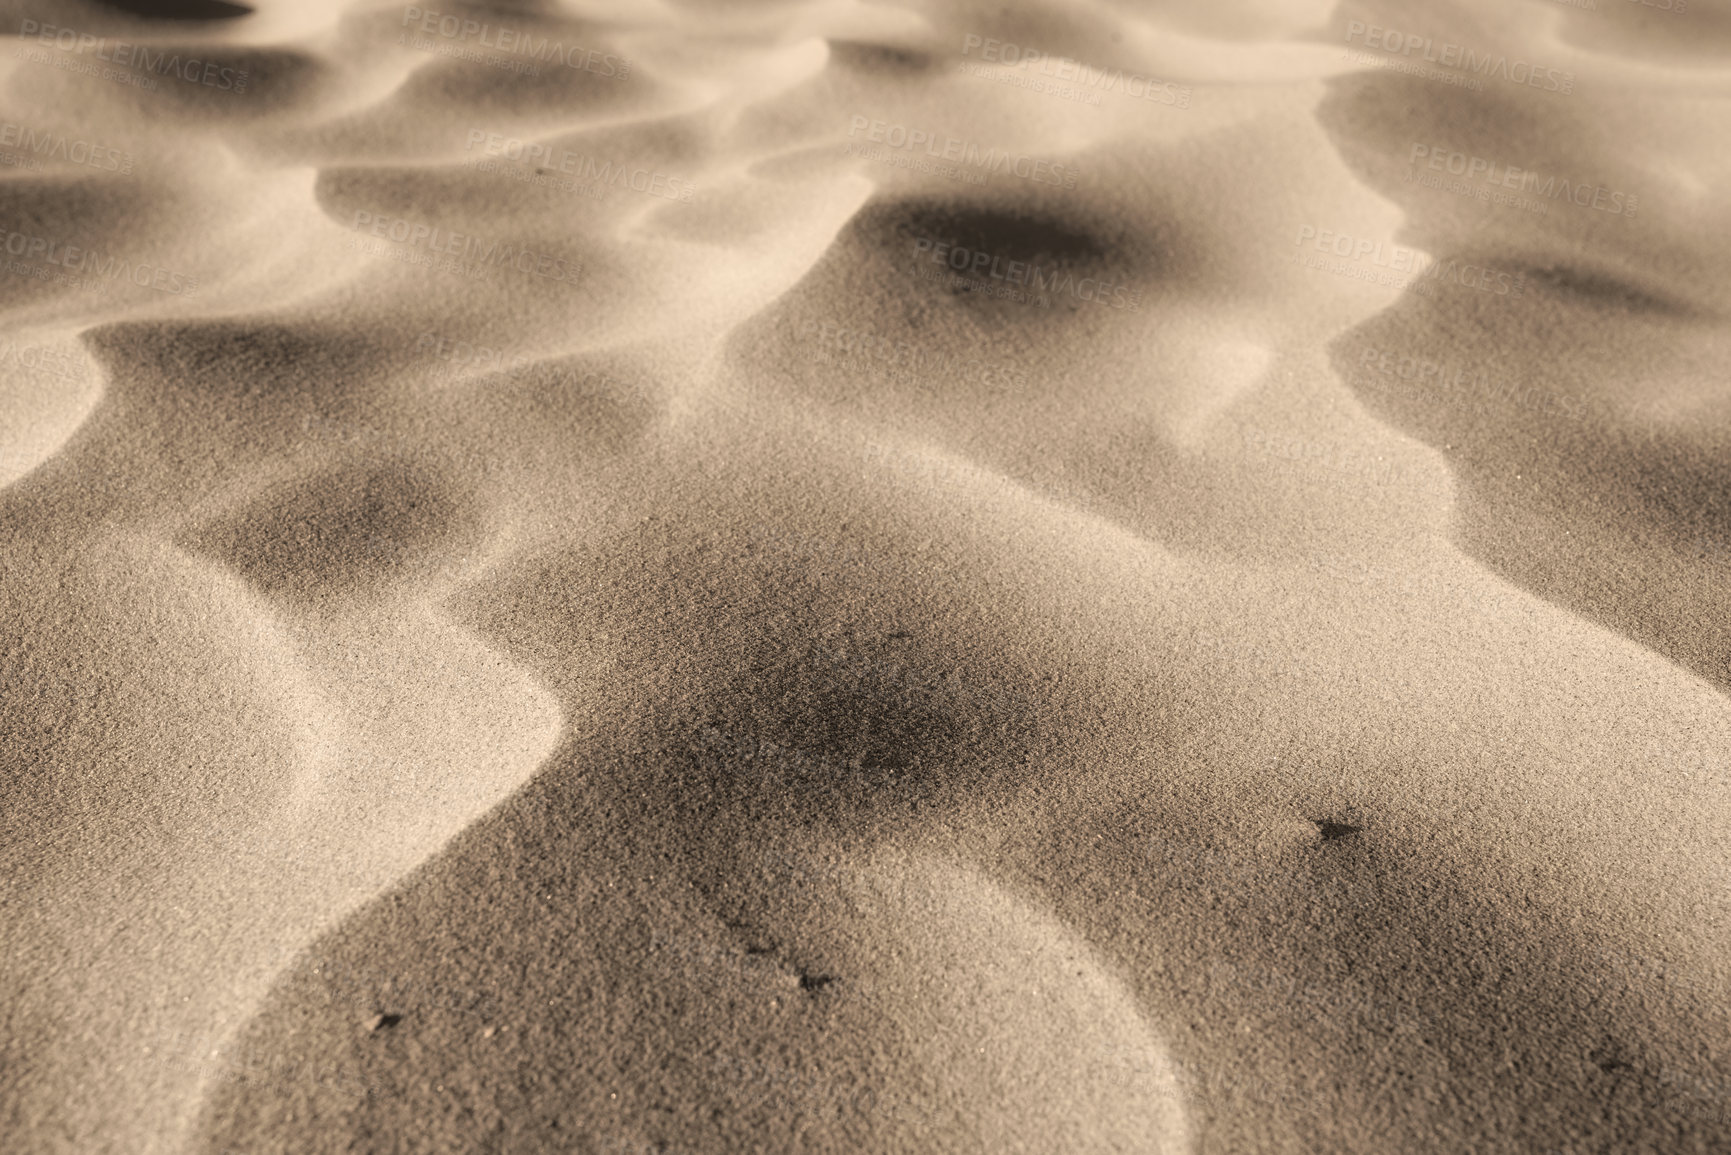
<point>745,576</point>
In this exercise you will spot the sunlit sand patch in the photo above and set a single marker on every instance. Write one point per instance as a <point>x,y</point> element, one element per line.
<point>372,740</point>
<point>49,385</point>
<point>1211,560</point>
<point>1025,1041</point>
<point>1224,372</point>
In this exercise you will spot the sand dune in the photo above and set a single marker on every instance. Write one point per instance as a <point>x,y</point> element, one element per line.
<point>843,577</point>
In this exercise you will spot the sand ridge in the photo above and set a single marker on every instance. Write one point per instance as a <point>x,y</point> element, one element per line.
<point>639,596</point>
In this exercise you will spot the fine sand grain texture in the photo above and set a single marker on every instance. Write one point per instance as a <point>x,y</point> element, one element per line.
<point>611,576</point>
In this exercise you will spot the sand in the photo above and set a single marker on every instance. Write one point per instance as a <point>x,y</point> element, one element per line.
<point>786,576</point>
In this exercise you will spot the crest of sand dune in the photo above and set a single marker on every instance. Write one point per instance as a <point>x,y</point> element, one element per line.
<point>919,1038</point>
<point>1031,1043</point>
<point>712,686</point>
<point>161,869</point>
